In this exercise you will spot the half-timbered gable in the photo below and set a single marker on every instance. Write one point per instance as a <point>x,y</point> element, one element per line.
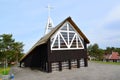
<point>66,38</point>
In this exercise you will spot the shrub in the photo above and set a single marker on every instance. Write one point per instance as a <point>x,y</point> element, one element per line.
<point>4,72</point>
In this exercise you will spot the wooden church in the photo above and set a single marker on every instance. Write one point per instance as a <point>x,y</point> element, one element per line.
<point>64,47</point>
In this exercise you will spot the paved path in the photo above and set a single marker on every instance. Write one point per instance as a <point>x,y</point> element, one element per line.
<point>95,71</point>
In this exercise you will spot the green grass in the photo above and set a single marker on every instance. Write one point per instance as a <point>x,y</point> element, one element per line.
<point>6,72</point>
<point>112,63</point>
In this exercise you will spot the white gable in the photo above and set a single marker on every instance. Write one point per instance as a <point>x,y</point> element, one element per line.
<point>66,38</point>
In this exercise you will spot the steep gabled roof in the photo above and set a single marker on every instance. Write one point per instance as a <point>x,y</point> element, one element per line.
<point>114,55</point>
<point>44,39</point>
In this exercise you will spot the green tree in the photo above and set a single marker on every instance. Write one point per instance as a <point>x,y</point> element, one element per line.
<point>18,48</point>
<point>9,49</point>
<point>108,50</point>
<point>117,50</point>
<point>5,43</point>
<point>100,54</point>
<point>95,51</point>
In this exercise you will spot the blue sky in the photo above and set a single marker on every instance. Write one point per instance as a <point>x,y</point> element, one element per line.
<point>99,20</point>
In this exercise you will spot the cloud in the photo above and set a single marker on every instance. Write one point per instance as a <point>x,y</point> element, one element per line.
<point>113,15</point>
<point>105,31</point>
<point>111,23</point>
<point>111,27</point>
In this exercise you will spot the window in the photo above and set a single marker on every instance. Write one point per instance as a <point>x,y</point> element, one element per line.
<point>66,38</point>
<point>62,43</point>
<point>55,45</point>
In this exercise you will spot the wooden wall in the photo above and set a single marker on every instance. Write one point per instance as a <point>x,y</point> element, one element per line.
<point>63,55</point>
<point>37,57</point>
<point>42,57</point>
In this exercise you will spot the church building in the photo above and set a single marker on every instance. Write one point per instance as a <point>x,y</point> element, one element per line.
<point>62,47</point>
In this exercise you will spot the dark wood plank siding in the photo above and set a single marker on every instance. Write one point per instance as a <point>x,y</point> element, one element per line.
<point>37,58</point>
<point>27,61</point>
<point>62,55</point>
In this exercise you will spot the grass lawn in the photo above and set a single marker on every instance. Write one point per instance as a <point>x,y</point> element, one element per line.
<point>112,63</point>
<point>6,71</point>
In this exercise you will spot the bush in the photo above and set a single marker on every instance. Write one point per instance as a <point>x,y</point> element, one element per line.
<point>4,72</point>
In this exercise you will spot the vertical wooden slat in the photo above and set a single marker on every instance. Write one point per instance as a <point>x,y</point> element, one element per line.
<point>85,62</point>
<point>78,63</point>
<point>60,66</point>
<point>44,66</point>
<point>49,67</point>
<point>69,64</point>
<point>49,64</point>
<point>20,64</point>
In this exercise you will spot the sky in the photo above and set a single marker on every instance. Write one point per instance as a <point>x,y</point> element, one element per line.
<point>99,20</point>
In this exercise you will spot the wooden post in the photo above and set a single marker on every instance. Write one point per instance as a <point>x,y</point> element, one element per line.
<point>78,63</point>
<point>49,67</point>
<point>85,59</point>
<point>69,64</point>
<point>60,66</point>
<point>85,62</point>
<point>20,64</point>
<point>49,64</point>
<point>44,66</point>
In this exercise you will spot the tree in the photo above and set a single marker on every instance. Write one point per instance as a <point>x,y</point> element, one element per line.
<point>95,51</point>
<point>92,49</point>
<point>1,54</point>
<point>5,42</point>
<point>9,49</point>
<point>117,50</point>
<point>110,49</point>
<point>18,48</point>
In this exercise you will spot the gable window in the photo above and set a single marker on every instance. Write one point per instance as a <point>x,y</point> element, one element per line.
<point>66,38</point>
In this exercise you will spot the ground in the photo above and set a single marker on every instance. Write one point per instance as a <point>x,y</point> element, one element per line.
<point>95,71</point>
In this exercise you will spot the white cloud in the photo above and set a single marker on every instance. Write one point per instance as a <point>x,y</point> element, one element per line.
<point>113,15</point>
<point>110,27</point>
<point>105,31</point>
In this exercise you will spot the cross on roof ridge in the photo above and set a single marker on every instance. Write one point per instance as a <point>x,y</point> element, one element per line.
<point>49,8</point>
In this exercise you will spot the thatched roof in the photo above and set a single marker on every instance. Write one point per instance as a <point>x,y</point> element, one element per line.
<point>44,39</point>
